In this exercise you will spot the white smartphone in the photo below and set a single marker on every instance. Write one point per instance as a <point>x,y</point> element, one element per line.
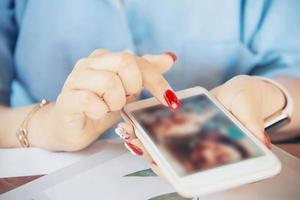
<point>201,147</point>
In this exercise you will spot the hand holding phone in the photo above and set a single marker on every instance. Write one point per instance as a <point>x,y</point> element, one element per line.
<point>200,148</point>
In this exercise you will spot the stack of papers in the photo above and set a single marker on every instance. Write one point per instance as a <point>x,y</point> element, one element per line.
<point>34,161</point>
<point>113,173</point>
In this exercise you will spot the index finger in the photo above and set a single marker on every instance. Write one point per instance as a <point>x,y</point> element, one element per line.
<point>157,85</point>
<point>161,61</point>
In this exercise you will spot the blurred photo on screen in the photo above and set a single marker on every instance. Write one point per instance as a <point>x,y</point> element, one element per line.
<point>198,136</point>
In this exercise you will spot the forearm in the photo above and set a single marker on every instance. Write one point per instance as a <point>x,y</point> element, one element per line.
<point>293,87</point>
<point>47,130</point>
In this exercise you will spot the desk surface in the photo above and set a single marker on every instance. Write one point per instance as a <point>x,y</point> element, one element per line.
<point>7,184</point>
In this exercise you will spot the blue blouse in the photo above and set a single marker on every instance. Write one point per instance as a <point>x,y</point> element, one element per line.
<point>40,41</point>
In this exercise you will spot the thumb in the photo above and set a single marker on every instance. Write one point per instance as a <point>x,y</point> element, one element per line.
<point>247,108</point>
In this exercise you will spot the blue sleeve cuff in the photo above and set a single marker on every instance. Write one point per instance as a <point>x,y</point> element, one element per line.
<point>293,72</point>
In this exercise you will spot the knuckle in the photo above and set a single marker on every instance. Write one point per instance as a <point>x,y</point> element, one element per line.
<point>111,81</point>
<point>125,56</point>
<point>240,79</point>
<point>81,62</point>
<point>127,59</point>
<point>98,52</point>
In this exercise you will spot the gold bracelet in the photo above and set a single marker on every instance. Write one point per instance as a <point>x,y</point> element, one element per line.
<point>22,133</point>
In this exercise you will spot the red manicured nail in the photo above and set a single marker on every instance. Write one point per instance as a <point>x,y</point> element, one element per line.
<point>171,99</point>
<point>135,149</point>
<point>268,141</point>
<point>173,55</point>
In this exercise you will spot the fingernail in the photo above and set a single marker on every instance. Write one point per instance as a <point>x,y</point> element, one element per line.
<point>133,149</point>
<point>121,133</point>
<point>268,141</point>
<point>173,55</point>
<point>153,162</point>
<point>172,99</point>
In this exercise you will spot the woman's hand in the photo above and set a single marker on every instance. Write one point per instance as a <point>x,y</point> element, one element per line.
<point>249,99</point>
<point>97,89</point>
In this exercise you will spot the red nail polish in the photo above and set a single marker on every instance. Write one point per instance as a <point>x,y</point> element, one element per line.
<point>171,99</point>
<point>268,141</point>
<point>135,149</point>
<point>174,57</point>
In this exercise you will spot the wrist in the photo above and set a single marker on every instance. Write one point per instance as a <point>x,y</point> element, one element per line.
<point>42,127</point>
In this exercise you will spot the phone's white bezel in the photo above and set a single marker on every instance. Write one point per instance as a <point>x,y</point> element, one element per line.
<point>210,180</point>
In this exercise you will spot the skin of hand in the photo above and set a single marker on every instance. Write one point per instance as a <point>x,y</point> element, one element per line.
<point>99,87</point>
<point>249,99</point>
<point>92,96</point>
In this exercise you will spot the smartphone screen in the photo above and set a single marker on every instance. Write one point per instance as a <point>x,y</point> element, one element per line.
<point>196,137</point>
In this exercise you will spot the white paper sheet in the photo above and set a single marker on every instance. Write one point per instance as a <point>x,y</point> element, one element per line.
<point>33,161</point>
<point>108,181</point>
<point>101,177</point>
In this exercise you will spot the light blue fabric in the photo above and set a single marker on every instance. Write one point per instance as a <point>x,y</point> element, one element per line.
<point>40,41</point>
